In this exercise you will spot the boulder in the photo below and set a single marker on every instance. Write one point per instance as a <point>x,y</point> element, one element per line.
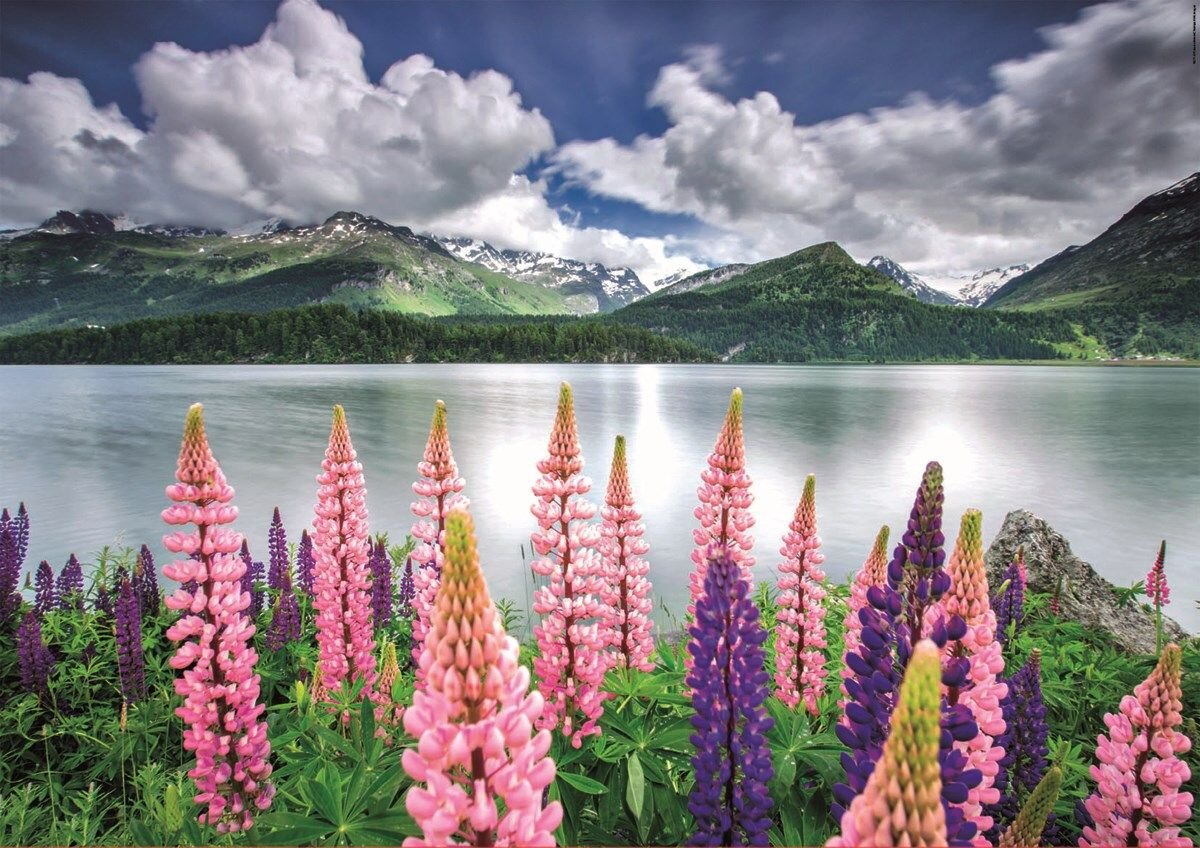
<point>1087,598</point>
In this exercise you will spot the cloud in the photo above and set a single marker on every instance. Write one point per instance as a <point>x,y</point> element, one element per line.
<point>1072,136</point>
<point>291,126</point>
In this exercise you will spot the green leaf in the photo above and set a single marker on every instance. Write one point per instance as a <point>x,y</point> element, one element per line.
<point>584,784</point>
<point>635,790</point>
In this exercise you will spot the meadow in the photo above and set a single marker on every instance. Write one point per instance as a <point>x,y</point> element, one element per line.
<point>354,687</point>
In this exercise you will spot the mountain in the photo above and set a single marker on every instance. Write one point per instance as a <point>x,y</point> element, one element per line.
<point>911,283</point>
<point>983,284</point>
<point>819,304</point>
<point>91,268</point>
<point>1136,287</point>
<point>588,286</point>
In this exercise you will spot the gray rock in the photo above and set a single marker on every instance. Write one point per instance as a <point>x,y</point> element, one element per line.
<point>1090,599</point>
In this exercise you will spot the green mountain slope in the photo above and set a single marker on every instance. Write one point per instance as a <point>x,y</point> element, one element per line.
<point>97,275</point>
<point>818,304</point>
<point>1135,287</point>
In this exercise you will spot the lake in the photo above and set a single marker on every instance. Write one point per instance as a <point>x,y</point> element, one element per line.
<point>1109,456</point>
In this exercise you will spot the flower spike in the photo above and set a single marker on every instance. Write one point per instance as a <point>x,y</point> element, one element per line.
<point>800,621</point>
<point>1027,828</point>
<point>872,573</point>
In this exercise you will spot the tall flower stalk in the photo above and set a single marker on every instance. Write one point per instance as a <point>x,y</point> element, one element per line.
<point>872,573</point>
<point>1009,603</point>
<point>570,664</point>
<point>381,584</point>
<point>43,595</point>
<point>250,580</point>
<point>277,553</point>
<point>305,563</point>
<point>14,543</point>
<point>732,763</point>
<point>1025,742</point>
<point>800,618</point>
<point>285,617</point>
<point>1036,812</point>
<point>131,661</point>
<point>1159,593</point>
<point>216,660</point>
<point>69,586</point>
<point>900,803</point>
<point>438,490</point>
<point>341,576</point>
<point>625,589</point>
<point>1139,770</point>
<point>473,720</point>
<point>145,583</point>
<point>35,661</point>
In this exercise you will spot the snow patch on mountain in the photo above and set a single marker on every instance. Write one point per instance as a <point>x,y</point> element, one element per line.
<point>911,283</point>
<point>981,285</point>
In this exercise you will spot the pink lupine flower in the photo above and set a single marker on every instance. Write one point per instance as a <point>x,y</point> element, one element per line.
<point>219,687</point>
<point>473,721</point>
<point>800,618</point>
<point>341,576</point>
<point>1140,770</point>
<point>872,573</point>
<point>438,491</point>
<point>625,590</point>
<point>983,691</point>
<point>724,510</point>
<point>1156,580</point>
<point>570,664</point>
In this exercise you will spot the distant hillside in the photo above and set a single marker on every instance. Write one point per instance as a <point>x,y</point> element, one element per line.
<point>92,269</point>
<point>1135,287</point>
<point>819,304</point>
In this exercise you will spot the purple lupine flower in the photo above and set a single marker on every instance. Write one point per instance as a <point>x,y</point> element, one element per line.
<point>278,554</point>
<point>34,659</point>
<point>408,590</point>
<point>251,577</point>
<point>145,583</point>
<point>14,541</point>
<point>1010,604</point>
<point>103,601</point>
<point>304,563</point>
<point>70,585</point>
<point>285,618</point>
<point>1025,742</point>
<point>43,596</point>
<point>729,685</point>
<point>131,662</point>
<point>380,565</point>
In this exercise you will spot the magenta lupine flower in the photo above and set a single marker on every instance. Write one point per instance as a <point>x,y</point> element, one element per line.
<point>285,616</point>
<point>277,551</point>
<point>625,590</point>
<point>145,581</point>
<point>729,685</point>
<point>305,563</point>
<point>1140,769</point>
<point>570,663</point>
<point>69,588</point>
<point>1159,594</point>
<point>131,661</point>
<point>43,594</point>
<point>35,661</point>
<point>408,590</point>
<point>800,618</point>
<point>872,573</point>
<point>216,660</point>
<point>438,490</point>
<point>473,720</point>
<point>341,576</point>
<point>251,580</point>
<point>381,584</point>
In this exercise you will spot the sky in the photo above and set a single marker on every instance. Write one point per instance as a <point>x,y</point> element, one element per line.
<point>664,136</point>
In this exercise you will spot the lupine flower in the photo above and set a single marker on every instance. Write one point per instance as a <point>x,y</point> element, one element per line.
<point>438,490</point>
<point>216,660</point>
<point>625,590</point>
<point>901,803</point>
<point>251,579</point>
<point>381,584</point>
<point>389,710</point>
<point>1140,770</point>
<point>983,691</point>
<point>277,551</point>
<point>69,588</point>
<point>473,720</point>
<point>1025,743</point>
<point>305,563</point>
<point>1056,599</point>
<point>729,685</point>
<point>131,661</point>
<point>341,577</point>
<point>408,590</point>
<point>1158,593</point>
<point>570,665</point>
<point>102,603</point>
<point>1030,823</point>
<point>285,617</point>
<point>43,598</point>
<point>872,573</point>
<point>1009,604</point>
<point>145,582</point>
<point>724,510</point>
<point>34,660</point>
<point>800,619</point>
<point>14,542</point>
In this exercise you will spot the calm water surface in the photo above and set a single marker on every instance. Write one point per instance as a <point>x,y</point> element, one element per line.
<point>1109,456</point>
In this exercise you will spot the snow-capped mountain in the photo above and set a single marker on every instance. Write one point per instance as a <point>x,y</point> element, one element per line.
<point>911,283</point>
<point>981,285</point>
<point>672,279</point>
<point>589,286</point>
<point>88,222</point>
